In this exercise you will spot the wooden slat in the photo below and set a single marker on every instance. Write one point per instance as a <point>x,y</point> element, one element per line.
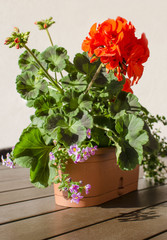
<point>56,223</point>
<point>160,236</point>
<point>24,195</point>
<point>28,209</point>
<point>12,174</point>
<point>15,184</point>
<point>137,225</point>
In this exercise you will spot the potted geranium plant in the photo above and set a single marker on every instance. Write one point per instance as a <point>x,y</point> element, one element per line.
<point>84,107</point>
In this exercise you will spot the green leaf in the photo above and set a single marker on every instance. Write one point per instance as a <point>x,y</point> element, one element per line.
<point>43,105</point>
<point>125,102</point>
<point>79,130</point>
<point>130,127</point>
<point>75,81</point>
<point>86,120</point>
<point>55,57</point>
<point>74,102</point>
<point>99,137</point>
<point>24,161</point>
<point>82,64</point>
<point>119,104</point>
<point>70,67</point>
<point>133,101</point>
<point>54,121</point>
<point>66,137</point>
<point>29,86</point>
<point>27,62</point>
<point>85,102</point>
<point>38,121</point>
<point>152,145</point>
<point>104,122</point>
<point>57,96</point>
<point>127,156</point>
<point>66,133</point>
<point>31,151</point>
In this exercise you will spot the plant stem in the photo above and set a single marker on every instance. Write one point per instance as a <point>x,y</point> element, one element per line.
<point>114,136</point>
<point>49,36</point>
<point>61,74</point>
<point>52,46</point>
<point>45,71</point>
<point>94,77</point>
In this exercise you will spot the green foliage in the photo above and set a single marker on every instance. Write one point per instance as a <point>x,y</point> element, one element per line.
<point>155,150</point>
<point>32,152</point>
<point>84,66</point>
<point>55,57</point>
<point>27,62</point>
<point>29,86</point>
<point>44,105</point>
<point>75,81</point>
<point>131,137</point>
<point>68,131</point>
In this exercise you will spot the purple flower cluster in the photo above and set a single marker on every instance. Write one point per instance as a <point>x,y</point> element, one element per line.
<point>7,162</point>
<point>51,156</point>
<point>74,149</point>
<point>76,195</point>
<point>81,155</point>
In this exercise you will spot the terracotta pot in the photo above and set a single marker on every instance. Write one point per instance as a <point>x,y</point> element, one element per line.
<point>107,180</point>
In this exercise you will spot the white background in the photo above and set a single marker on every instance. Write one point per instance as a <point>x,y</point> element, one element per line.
<point>73,21</point>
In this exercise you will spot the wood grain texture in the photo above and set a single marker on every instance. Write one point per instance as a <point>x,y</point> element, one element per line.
<point>29,213</point>
<point>62,222</point>
<point>135,225</point>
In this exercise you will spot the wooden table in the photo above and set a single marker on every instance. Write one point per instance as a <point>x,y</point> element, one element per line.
<point>30,213</point>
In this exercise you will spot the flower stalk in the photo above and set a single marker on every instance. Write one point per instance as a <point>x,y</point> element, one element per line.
<point>45,71</point>
<point>49,36</point>
<point>94,77</point>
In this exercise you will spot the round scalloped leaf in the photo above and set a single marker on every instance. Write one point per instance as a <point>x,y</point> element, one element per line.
<point>30,87</point>
<point>82,64</point>
<point>27,62</point>
<point>43,105</point>
<point>55,57</point>
<point>75,81</point>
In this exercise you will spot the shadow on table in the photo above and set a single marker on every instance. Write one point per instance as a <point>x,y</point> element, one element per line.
<point>144,198</point>
<point>139,216</point>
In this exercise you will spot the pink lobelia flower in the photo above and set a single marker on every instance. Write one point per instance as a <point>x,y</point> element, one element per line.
<point>74,188</point>
<point>87,188</point>
<point>86,153</point>
<point>92,150</point>
<point>78,158</point>
<point>51,156</point>
<point>76,197</point>
<point>74,149</point>
<point>88,133</point>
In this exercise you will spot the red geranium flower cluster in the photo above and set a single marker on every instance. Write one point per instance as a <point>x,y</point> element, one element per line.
<point>115,43</point>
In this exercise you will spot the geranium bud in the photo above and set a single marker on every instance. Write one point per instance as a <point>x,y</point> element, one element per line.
<point>16,29</point>
<point>6,41</point>
<point>16,40</point>
<point>17,46</point>
<point>45,25</point>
